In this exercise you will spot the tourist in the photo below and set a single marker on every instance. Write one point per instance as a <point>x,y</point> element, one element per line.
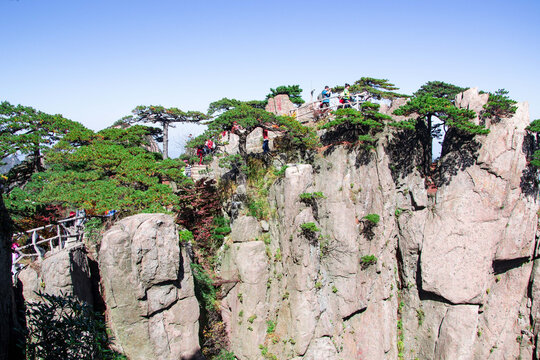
<point>346,97</point>
<point>187,169</point>
<point>326,93</point>
<point>265,146</point>
<point>200,154</point>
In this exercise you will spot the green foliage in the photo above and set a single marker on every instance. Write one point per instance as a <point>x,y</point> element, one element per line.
<point>266,354</point>
<point>375,88</point>
<point>308,197</point>
<point>309,228</point>
<point>296,134</point>
<point>334,289</point>
<point>420,316</point>
<point>243,119</point>
<point>252,318</point>
<point>499,106</point>
<point>111,171</point>
<point>221,228</point>
<point>204,287</point>
<point>294,92</point>
<point>226,104</point>
<point>368,260</point>
<point>367,141</point>
<point>92,229</point>
<point>258,209</point>
<point>270,326</point>
<point>185,236</point>
<point>224,355</point>
<point>363,124</point>
<point>368,118</point>
<point>277,256</point>
<point>60,327</point>
<point>439,89</point>
<point>426,106</point>
<point>231,161</point>
<point>535,160</point>
<point>372,218</point>
<point>407,124</point>
<point>28,131</point>
<point>165,117</point>
<point>260,178</point>
<point>534,126</point>
<point>281,172</point>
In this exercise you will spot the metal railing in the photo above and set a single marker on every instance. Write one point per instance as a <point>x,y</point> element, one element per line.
<point>70,230</point>
<point>313,109</point>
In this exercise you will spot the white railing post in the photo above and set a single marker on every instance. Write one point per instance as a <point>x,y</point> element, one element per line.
<point>34,240</point>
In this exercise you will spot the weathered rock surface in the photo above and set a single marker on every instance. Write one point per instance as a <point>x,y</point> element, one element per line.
<point>148,289</point>
<point>280,105</point>
<point>60,272</point>
<point>452,267</point>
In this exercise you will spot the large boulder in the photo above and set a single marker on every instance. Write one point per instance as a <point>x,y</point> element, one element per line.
<point>148,288</point>
<point>63,271</point>
<point>280,105</point>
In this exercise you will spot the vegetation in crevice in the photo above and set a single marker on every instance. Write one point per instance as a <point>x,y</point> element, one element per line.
<point>499,106</point>
<point>61,327</point>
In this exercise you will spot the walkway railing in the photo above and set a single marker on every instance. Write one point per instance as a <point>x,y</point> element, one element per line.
<point>313,110</point>
<point>70,230</point>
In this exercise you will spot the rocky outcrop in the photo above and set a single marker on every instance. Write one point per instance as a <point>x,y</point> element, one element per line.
<point>148,289</point>
<point>280,105</point>
<point>60,272</point>
<point>442,275</point>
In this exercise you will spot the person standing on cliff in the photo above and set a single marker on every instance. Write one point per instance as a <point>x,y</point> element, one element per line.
<point>265,146</point>
<point>346,97</point>
<point>326,93</point>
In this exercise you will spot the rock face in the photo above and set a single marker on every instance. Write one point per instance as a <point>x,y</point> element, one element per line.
<point>280,105</point>
<point>6,300</point>
<point>65,272</point>
<point>148,289</point>
<point>443,275</point>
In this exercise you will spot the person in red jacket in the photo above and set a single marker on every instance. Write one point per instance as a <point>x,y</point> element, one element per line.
<point>265,146</point>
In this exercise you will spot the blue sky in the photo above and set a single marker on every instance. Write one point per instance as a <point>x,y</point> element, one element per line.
<point>94,61</point>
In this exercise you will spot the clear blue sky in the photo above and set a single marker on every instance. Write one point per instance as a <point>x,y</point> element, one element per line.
<point>94,61</point>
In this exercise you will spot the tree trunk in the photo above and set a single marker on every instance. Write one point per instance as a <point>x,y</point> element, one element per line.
<point>37,160</point>
<point>242,147</point>
<point>429,146</point>
<point>165,139</point>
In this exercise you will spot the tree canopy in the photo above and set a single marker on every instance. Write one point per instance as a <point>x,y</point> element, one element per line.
<point>111,171</point>
<point>165,117</point>
<point>226,104</point>
<point>499,106</point>
<point>363,124</point>
<point>440,89</point>
<point>425,107</point>
<point>28,131</point>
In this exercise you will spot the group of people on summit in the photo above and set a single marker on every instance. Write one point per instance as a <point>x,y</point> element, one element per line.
<point>344,99</point>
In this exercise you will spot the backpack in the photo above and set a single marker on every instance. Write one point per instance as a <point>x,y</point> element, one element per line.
<point>320,96</point>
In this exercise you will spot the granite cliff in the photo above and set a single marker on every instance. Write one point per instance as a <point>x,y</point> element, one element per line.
<point>363,256</point>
